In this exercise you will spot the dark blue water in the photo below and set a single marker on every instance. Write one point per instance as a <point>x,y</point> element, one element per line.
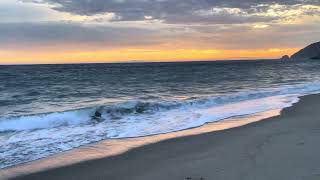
<point>46,109</point>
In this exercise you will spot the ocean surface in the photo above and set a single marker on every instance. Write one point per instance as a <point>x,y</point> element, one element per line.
<point>47,109</point>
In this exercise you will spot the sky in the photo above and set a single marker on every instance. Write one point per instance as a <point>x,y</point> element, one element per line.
<point>93,31</point>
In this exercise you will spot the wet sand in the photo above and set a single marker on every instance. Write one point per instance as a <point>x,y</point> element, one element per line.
<point>281,147</point>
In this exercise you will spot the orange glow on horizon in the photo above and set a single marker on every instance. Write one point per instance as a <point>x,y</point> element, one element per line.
<point>140,55</point>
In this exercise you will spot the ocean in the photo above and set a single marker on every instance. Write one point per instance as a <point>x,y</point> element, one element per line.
<point>47,109</point>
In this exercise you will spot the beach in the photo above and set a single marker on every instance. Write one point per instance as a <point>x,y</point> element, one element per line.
<point>159,89</point>
<point>281,147</point>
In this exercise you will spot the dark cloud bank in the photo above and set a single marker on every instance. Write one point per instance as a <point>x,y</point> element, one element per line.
<point>174,11</point>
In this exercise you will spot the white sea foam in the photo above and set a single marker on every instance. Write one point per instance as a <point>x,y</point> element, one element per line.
<point>42,135</point>
<point>138,109</point>
<point>42,121</point>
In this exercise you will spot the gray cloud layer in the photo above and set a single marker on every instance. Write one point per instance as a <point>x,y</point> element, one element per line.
<point>175,11</point>
<point>72,36</point>
<point>43,35</point>
<point>220,29</point>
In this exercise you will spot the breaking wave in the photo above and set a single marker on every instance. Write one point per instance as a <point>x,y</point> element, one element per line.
<point>145,108</point>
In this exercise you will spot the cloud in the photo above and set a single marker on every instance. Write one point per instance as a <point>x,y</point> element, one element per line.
<point>181,11</point>
<point>71,36</point>
<point>248,37</point>
<point>218,24</point>
<point>55,37</point>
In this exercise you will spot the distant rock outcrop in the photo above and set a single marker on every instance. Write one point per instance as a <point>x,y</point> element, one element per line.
<point>310,52</point>
<point>285,57</point>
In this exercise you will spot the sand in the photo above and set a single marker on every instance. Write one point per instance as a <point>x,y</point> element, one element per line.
<point>282,147</point>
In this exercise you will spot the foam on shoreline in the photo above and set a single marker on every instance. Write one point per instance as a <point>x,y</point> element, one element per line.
<point>112,147</point>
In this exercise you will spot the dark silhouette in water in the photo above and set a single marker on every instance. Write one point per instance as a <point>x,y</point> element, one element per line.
<point>97,116</point>
<point>316,57</point>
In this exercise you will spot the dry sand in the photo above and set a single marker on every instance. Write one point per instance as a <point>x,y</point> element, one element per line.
<point>285,147</point>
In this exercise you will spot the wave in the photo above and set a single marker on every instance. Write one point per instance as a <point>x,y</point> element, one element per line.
<point>42,121</point>
<point>142,108</point>
<point>42,135</point>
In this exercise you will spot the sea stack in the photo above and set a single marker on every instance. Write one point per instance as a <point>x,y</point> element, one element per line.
<point>285,58</point>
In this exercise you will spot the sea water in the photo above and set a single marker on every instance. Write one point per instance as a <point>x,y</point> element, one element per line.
<point>47,109</point>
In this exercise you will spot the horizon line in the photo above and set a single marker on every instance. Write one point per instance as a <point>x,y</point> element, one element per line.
<point>138,61</point>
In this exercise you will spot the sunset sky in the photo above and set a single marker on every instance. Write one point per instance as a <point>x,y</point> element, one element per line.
<point>81,31</point>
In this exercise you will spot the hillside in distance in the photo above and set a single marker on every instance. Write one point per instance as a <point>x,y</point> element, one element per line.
<point>310,52</point>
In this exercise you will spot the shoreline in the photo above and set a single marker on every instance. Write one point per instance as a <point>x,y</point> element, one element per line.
<point>137,150</point>
<point>113,147</point>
